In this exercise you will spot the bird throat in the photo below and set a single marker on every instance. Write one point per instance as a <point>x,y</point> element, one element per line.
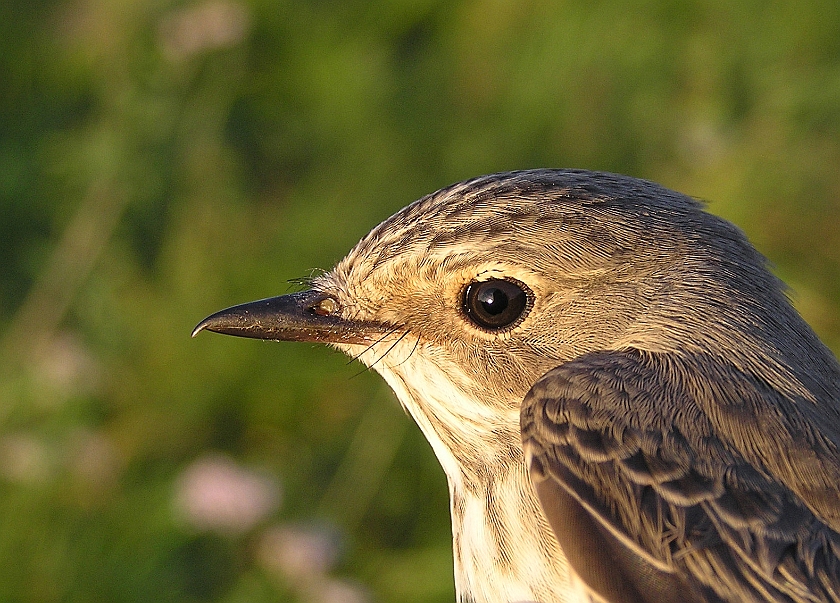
<point>504,550</point>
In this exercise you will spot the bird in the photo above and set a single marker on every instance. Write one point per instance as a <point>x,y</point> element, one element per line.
<point>625,403</point>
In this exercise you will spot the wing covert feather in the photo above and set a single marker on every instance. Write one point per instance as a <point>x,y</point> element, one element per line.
<point>677,501</point>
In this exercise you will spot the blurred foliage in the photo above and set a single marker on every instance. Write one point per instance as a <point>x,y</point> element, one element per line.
<point>161,160</point>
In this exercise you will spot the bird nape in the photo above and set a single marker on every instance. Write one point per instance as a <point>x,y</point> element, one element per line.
<point>626,405</point>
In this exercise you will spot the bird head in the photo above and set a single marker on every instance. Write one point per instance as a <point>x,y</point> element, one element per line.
<point>463,299</point>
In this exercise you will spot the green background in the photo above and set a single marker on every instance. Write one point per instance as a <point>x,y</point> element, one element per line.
<point>162,160</point>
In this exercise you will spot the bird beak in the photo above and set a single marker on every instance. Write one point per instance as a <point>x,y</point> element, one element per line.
<point>296,317</point>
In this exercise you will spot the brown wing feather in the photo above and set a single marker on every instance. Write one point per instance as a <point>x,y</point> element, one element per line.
<point>678,510</point>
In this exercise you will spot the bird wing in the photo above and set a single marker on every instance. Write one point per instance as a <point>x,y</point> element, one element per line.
<point>653,501</point>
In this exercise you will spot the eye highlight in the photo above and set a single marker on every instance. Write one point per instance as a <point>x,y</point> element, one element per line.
<point>497,304</point>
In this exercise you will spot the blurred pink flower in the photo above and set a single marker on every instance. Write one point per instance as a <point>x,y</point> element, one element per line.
<point>214,493</point>
<point>299,553</point>
<point>205,26</point>
<point>24,458</point>
<point>66,368</point>
<point>335,590</point>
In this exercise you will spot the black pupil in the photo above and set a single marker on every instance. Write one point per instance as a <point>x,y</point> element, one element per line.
<point>493,300</point>
<point>495,304</point>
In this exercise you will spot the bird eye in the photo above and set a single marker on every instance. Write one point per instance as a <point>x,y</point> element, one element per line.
<point>498,304</point>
